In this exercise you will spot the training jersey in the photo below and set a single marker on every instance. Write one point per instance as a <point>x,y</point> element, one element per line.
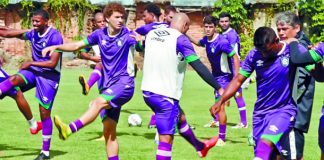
<point>274,79</point>
<point>116,54</point>
<point>231,35</point>
<point>143,30</point>
<point>219,53</point>
<point>167,52</point>
<point>320,50</point>
<point>39,42</point>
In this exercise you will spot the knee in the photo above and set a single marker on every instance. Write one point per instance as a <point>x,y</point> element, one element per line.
<point>15,80</point>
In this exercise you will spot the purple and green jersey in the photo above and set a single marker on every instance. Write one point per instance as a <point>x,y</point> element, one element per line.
<point>219,53</point>
<point>143,30</point>
<point>233,39</point>
<point>274,79</point>
<point>39,42</point>
<point>116,55</point>
<point>320,51</point>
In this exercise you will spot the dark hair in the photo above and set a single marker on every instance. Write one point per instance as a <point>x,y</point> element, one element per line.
<point>169,9</point>
<point>264,36</point>
<point>40,12</point>
<point>113,7</point>
<point>153,8</point>
<point>224,14</point>
<point>210,20</point>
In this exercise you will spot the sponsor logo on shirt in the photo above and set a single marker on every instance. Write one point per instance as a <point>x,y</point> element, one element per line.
<point>284,61</point>
<point>259,63</point>
<point>109,91</point>
<point>273,128</point>
<point>45,99</point>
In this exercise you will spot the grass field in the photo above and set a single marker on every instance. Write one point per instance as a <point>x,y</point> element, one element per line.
<point>136,143</point>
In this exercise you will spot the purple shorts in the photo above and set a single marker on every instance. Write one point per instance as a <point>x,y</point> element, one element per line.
<point>117,95</point>
<point>46,85</point>
<point>223,82</point>
<point>272,126</point>
<point>166,111</point>
<point>3,77</point>
<point>321,132</point>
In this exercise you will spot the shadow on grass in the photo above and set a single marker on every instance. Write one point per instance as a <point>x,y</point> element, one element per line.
<point>28,151</point>
<point>120,134</point>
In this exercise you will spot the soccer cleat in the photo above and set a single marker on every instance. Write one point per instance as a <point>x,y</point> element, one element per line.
<point>84,85</point>
<point>64,130</point>
<point>37,129</point>
<point>212,124</point>
<point>220,143</point>
<point>208,145</point>
<point>240,125</point>
<point>42,156</point>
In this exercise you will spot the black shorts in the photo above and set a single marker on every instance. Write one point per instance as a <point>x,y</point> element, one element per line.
<point>293,144</point>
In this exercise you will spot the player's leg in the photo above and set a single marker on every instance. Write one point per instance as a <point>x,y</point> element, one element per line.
<point>293,145</point>
<point>11,82</point>
<point>276,125</point>
<point>24,108</point>
<point>109,131</point>
<point>222,126</point>
<point>167,115</point>
<point>242,109</point>
<point>186,132</point>
<point>113,97</point>
<point>46,89</point>
<point>152,123</point>
<point>94,77</point>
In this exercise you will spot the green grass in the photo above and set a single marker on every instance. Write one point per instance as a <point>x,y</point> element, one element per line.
<point>135,143</point>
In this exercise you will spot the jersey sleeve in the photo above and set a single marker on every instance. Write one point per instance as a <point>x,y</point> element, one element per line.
<point>28,35</point>
<point>56,39</point>
<point>185,47</point>
<point>142,30</point>
<point>203,42</point>
<point>248,67</point>
<point>92,39</point>
<point>227,48</point>
<point>320,49</point>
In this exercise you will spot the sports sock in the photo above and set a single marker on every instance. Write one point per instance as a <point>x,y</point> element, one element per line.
<point>263,151</point>
<point>242,109</point>
<point>94,77</point>
<point>164,151</point>
<point>5,86</point>
<point>47,134</point>
<point>222,131</point>
<point>113,158</point>
<point>186,132</point>
<point>32,123</point>
<point>76,125</point>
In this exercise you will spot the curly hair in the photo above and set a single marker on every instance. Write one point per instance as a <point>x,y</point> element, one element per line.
<point>113,7</point>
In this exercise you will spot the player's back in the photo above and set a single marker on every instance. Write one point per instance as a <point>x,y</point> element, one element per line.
<point>164,68</point>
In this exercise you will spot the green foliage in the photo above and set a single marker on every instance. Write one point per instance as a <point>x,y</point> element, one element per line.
<point>27,7</point>
<point>314,10</point>
<point>240,21</point>
<point>62,10</point>
<point>4,3</point>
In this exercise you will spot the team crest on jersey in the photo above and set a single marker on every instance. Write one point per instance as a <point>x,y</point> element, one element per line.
<point>285,61</point>
<point>213,50</point>
<point>103,42</point>
<point>44,44</point>
<point>119,43</point>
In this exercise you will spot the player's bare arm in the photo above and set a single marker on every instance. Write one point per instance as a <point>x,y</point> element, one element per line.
<point>70,47</point>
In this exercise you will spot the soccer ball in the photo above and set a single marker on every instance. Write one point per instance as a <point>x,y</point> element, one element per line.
<point>134,120</point>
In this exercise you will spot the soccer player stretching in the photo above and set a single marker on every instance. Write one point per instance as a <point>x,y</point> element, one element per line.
<point>220,55</point>
<point>275,109</point>
<point>167,51</point>
<point>115,43</point>
<point>42,73</point>
<point>16,93</point>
